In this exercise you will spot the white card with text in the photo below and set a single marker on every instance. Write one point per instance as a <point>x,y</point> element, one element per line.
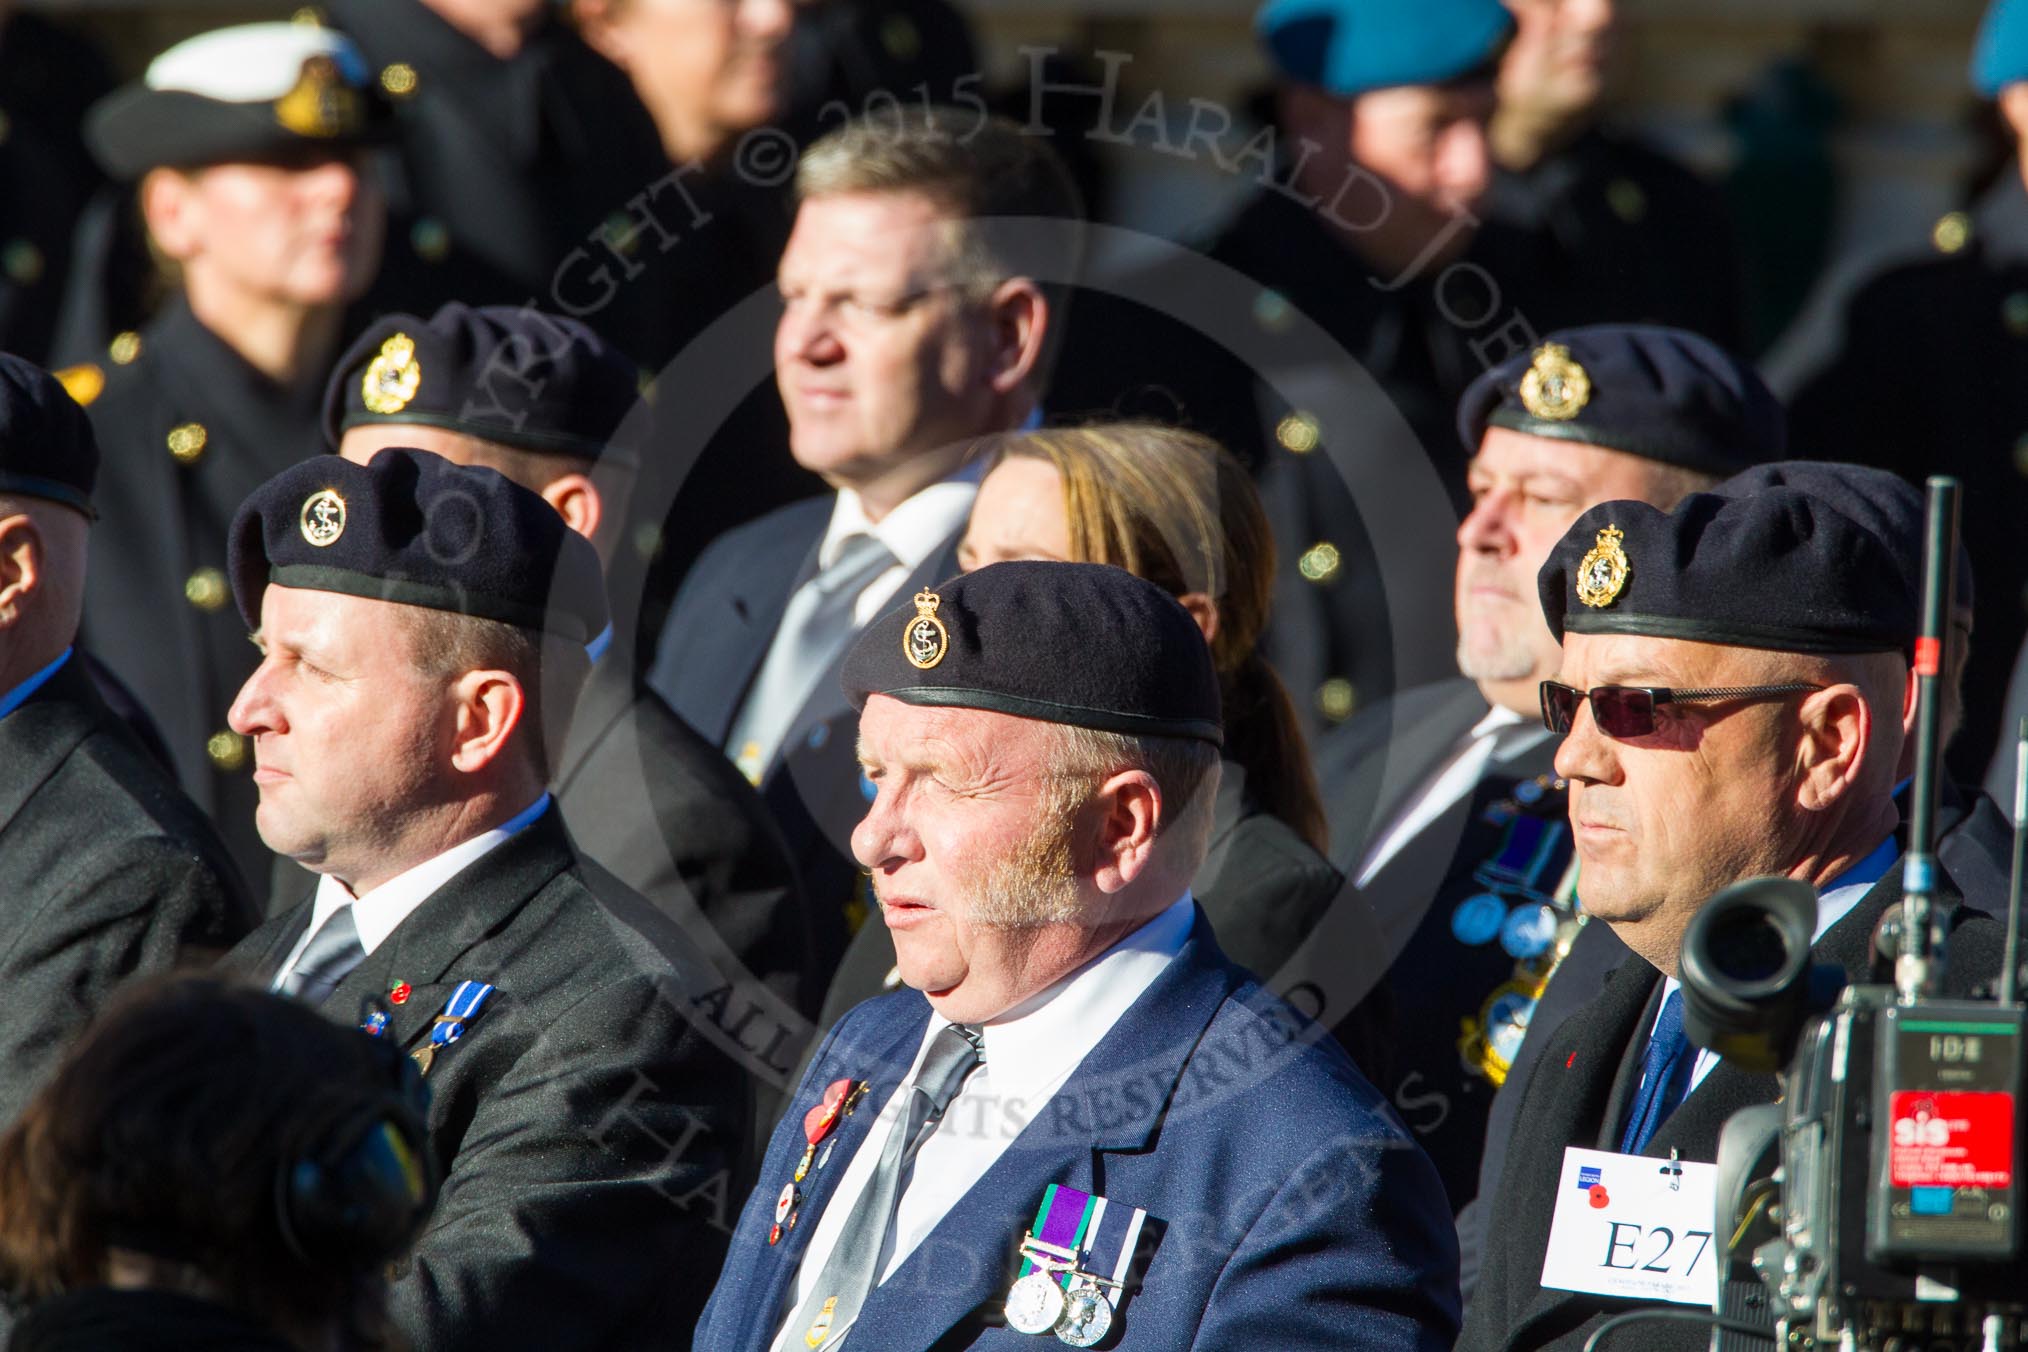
<point>1634,1226</point>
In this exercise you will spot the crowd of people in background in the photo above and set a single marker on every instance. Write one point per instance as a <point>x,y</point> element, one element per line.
<point>834,752</point>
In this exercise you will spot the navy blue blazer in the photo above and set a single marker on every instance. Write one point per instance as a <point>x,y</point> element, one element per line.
<point>1288,1207</point>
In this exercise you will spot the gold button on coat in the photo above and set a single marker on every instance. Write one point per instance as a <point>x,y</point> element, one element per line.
<point>206,589</point>
<point>227,750</point>
<point>186,442</point>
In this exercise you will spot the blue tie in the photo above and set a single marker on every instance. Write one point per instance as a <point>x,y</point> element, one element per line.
<point>1665,1077</point>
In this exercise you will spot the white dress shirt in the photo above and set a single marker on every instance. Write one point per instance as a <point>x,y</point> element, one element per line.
<point>1030,1052</point>
<point>911,532</point>
<point>386,906</point>
<point>1834,903</point>
<point>1501,730</point>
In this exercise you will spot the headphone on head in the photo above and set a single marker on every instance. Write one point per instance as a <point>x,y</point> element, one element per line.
<point>358,1178</point>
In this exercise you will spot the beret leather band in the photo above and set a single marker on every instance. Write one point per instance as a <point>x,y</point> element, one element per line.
<point>1685,452</point>
<point>433,596</point>
<point>1053,711</point>
<point>1732,633</point>
<point>36,486</point>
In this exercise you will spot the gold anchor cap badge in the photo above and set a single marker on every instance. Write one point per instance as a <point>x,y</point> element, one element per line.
<point>925,641</point>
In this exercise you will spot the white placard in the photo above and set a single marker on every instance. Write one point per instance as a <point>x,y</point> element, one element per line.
<point>1636,1227</point>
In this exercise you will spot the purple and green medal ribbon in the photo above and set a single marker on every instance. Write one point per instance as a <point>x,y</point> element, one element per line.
<point>1062,1220</point>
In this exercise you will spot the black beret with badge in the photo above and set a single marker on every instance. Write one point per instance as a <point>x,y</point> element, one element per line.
<point>252,92</point>
<point>1776,569</point>
<point>47,449</point>
<point>1880,500</point>
<point>416,529</point>
<point>1084,644</point>
<point>508,374</point>
<point>1660,393</point>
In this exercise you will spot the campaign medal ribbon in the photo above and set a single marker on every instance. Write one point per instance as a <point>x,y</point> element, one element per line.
<point>463,1006</point>
<point>1054,1291</point>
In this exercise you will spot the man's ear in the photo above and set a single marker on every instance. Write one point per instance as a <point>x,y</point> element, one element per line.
<point>1021,316</point>
<point>595,25</point>
<point>489,706</point>
<point>21,564</point>
<point>1837,728</point>
<point>172,212</point>
<point>1204,610</point>
<point>576,499</point>
<point>1128,807</point>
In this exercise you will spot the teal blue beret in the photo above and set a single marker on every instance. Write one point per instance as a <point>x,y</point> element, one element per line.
<point>1347,47</point>
<point>2001,55</point>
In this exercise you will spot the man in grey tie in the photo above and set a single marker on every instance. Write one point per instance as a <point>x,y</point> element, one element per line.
<point>422,627</point>
<point>913,323</point>
<point>1076,1073</point>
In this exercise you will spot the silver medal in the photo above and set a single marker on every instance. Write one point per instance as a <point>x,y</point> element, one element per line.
<point>1087,1314</point>
<point>1035,1303</point>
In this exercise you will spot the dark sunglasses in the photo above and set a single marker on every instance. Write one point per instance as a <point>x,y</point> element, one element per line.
<point>1629,710</point>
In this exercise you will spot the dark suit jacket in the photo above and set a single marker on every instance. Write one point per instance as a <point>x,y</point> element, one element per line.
<point>106,870</point>
<point>1371,770</point>
<point>668,815</point>
<point>1294,1211</point>
<point>589,1124</point>
<point>710,652</point>
<point>1584,1083</point>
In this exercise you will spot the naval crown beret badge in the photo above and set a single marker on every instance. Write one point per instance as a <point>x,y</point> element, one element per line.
<point>1555,388</point>
<point>321,105</point>
<point>925,641</point>
<point>323,519</point>
<point>392,377</point>
<point>1602,574</point>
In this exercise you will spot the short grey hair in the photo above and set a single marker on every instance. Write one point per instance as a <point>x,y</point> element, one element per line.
<point>1185,769</point>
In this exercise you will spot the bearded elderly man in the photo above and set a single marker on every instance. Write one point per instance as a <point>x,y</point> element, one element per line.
<point>1731,701</point>
<point>422,628</point>
<point>1082,1118</point>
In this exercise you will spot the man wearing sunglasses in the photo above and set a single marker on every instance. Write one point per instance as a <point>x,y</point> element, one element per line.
<point>1445,809</point>
<point>1731,702</point>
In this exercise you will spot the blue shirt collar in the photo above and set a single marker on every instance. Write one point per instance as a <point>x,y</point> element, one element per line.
<point>18,696</point>
<point>525,818</point>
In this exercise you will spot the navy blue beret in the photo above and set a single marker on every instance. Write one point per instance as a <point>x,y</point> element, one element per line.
<point>1659,393</point>
<point>1085,644</point>
<point>250,92</point>
<point>2000,57</point>
<point>47,449</point>
<point>414,528</point>
<point>1883,502</point>
<point>504,373</point>
<point>1776,569</point>
<point>1347,47</point>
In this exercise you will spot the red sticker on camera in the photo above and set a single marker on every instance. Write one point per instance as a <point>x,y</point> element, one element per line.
<point>1955,1140</point>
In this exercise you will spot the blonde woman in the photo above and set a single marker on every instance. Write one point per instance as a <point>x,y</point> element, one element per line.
<point>1173,507</point>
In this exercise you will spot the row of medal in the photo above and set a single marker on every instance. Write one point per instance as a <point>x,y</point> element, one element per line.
<point>1057,1298</point>
<point>840,1101</point>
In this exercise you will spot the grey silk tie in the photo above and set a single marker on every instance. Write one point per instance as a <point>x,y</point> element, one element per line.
<point>816,625</point>
<point>853,1269</point>
<point>333,951</point>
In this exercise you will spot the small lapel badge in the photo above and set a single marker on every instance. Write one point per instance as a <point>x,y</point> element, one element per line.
<point>1555,388</point>
<point>402,990</point>
<point>1602,574</point>
<point>323,519</point>
<point>820,1327</point>
<point>392,377</point>
<point>926,640</point>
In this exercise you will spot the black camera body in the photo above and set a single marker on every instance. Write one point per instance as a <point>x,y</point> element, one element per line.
<point>1877,1205</point>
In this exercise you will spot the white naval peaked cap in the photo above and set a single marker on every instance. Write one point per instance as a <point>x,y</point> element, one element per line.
<point>252,63</point>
